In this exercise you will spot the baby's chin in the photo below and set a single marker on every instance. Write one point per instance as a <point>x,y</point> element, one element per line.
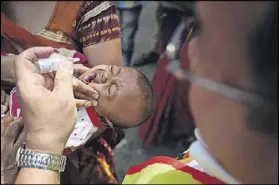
<point>98,110</point>
<point>126,124</point>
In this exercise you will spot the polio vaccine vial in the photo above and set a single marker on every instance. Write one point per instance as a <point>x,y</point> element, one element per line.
<point>51,64</point>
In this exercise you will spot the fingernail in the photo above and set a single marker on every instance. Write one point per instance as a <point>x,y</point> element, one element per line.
<point>88,104</point>
<point>95,103</point>
<point>95,96</point>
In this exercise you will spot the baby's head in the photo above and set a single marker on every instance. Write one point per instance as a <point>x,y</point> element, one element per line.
<point>126,97</point>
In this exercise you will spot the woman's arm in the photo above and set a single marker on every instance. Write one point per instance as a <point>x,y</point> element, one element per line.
<point>99,33</point>
<point>8,69</point>
<point>104,53</point>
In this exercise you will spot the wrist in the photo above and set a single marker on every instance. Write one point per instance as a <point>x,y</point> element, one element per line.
<point>44,143</point>
<point>45,149</point>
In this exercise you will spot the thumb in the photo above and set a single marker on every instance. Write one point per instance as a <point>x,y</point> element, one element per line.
<point>63,82</point>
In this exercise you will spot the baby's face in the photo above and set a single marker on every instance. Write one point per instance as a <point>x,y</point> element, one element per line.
<point>119,93</point>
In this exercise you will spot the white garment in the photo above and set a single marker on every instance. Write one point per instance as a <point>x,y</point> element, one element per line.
<point>83,130</point>
<point>204,161</point>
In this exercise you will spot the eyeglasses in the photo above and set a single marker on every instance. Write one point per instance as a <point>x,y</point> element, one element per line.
<point>173,52</point>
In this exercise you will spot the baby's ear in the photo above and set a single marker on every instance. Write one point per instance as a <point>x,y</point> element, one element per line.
<point>108,122</point>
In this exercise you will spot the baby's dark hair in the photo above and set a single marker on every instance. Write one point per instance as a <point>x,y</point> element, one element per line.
<point>148,101</point>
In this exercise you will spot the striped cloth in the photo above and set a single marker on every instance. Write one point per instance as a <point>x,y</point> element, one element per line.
<point>167,170</point>
<point>128,4</point>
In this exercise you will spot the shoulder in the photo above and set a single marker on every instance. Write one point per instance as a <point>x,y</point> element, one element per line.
<point>90,9</point>
<point>97,22</point>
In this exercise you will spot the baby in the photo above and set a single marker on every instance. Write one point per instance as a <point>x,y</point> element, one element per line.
<point>125,100</point>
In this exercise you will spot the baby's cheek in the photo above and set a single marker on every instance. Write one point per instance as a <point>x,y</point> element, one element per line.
<point>103,106</point>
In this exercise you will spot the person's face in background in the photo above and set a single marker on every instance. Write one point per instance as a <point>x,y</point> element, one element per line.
<point>219,52</point>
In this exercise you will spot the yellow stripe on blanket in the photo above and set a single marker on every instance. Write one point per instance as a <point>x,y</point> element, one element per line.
<point>160,174</point>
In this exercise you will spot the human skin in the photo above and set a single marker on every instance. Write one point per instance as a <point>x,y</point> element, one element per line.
<point>218,53</point>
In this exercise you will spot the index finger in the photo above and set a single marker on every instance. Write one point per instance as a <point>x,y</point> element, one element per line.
<point>80,68</point>
<point>91,71</point>
<point>82,87</point>
<point>24,62</point>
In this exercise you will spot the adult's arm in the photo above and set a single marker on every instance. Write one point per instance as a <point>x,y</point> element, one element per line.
<point>44,134</point>
<point>37,176</point>
<point>104,53</point>
<point>99,33</point>
<point>8,69</point>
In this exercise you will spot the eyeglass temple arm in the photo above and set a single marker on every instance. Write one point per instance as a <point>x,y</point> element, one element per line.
<point>176,42</point>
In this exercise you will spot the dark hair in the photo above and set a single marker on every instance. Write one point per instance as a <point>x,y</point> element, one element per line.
<point>147,98</point>
<point>263,52</point>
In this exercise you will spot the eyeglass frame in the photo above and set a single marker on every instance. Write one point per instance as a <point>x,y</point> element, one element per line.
<point>238,95</point>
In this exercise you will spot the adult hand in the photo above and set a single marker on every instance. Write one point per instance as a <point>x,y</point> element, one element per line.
<point>82,90</point>
<point>49,116</point>
<point>12,137</point>
<point>86,95</point>
<point>87,76</point>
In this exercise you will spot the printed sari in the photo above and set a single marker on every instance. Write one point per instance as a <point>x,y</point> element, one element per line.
<point>74,25</point>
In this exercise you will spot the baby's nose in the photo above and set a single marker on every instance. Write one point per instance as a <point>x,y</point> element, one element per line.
<point>108,78</point>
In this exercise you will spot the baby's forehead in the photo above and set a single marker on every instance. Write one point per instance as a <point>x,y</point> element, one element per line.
<point>130,74</point>
<point>130,78</point>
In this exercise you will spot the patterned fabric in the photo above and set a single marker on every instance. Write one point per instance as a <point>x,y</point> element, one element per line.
<point>74,25</point>
<point>97,22</point>
<point>128,4</point>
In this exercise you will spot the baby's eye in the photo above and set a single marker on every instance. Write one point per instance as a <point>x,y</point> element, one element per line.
<point>111,90</point>
<point>108,91</point>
